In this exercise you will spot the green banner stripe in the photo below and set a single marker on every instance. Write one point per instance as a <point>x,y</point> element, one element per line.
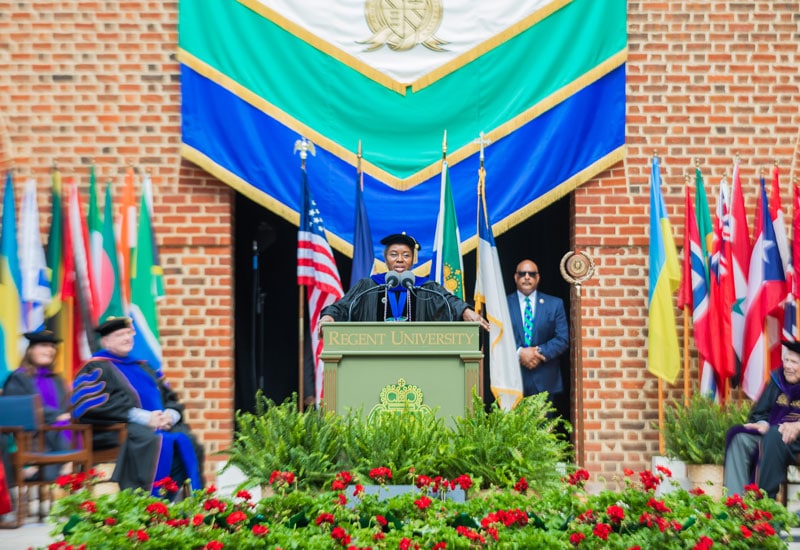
<point>401,133</point>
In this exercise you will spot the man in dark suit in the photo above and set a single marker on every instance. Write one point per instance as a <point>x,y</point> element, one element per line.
<point>541,332</point>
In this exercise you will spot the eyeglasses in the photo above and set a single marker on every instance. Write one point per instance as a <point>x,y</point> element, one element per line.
<point>394,255</point>
<point>532,274</point>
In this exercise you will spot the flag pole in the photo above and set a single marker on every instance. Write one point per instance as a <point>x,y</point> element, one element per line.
<point>686,384</point>
<point>301,145</point>
<point>482,142</point>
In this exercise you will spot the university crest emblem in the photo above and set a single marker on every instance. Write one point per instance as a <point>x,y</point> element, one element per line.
<point>402,24</point>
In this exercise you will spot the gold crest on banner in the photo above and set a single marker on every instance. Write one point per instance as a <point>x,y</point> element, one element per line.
<point>402,24</point>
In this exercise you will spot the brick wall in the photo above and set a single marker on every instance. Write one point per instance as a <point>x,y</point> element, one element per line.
<point>98,80</point>
<point>705,81</point>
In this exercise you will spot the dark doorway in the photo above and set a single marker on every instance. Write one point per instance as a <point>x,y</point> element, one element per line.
<point>266,292</point>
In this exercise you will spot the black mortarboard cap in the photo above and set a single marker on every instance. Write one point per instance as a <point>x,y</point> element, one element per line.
<point>113,324</point>
<point>400,238</point>
<point>42,337</point>
<point>793,346</point>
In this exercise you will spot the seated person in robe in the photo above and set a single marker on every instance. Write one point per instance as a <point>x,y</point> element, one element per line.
<point>761,450</point>
<point>113,387</point>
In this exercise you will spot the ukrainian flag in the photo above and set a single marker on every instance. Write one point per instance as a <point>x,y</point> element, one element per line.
<point>663,354</point>
<point>10,286</point>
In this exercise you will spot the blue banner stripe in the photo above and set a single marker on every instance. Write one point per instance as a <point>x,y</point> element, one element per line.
<point>522,168</point>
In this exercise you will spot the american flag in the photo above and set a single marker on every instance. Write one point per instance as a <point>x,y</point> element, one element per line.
<point>316,269</point>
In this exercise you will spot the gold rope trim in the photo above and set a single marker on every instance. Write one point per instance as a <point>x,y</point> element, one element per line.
<point>326,47</point>
<point>226,176</point>
<point>472,54</point>
<point>385,80</point>
<point>433,169</point>
<point>560,191</point>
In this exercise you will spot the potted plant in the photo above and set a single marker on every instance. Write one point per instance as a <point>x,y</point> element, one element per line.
<point>695,433</point>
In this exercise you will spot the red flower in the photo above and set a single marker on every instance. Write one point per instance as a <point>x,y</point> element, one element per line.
<point>211,489</point>
<point>260,530</point>
<point>615,513</point>
<point>602,530</point>
<point>697,491</point>
<point>110,521</point>
<point>244,494</point>
<point>463,481</point>
<point>381,521</point>
<point>439,546</point>
<point>338,485</point>
<point>703,543</point>
<point>578,477</point>
<point>764,528</point>
<point>649,480</point>
<point>381,475</point>
<point>746,533</point>
<point>423,481</point>
<point>628,472</point>
<point>214,504</point>
<point>586,517</point>
<point>755,490</point>
<point>378,536</point>
<point>198,519</point>
<point>658,506</point>
<point>736,500</point>
<point>158,509</point>
<point>405,544</point>
<point>422,502</point>
<point>139,535</point>
<point>576,538</point>
<point>236,517</point>
<point>168,484</point>
<point>88,506</point>
<point>664,471</point>
<point>325,517</point>
<point>213,545</point>
<point>521,486</point>
<point>358,490</point>
<point>342,499</point>
<point>340,535</point>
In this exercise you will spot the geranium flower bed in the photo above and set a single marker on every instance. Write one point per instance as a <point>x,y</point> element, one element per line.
<point>631,516</point>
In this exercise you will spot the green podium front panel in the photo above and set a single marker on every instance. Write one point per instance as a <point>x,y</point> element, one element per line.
<point>392,366</point>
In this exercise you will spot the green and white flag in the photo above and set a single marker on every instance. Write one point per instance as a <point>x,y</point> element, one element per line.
<point>448,265</point>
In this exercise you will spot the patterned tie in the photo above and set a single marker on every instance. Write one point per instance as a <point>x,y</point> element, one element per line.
<point>527,322</point>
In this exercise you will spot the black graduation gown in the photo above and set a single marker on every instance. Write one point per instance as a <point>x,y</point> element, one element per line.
<point>364,302</point>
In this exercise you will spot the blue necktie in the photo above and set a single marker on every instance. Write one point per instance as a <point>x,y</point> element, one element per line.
<point>527,322</point>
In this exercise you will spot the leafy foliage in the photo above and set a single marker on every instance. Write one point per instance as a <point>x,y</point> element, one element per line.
<point>696,433</point>
<point>280,437</point>
<point>497,447</point>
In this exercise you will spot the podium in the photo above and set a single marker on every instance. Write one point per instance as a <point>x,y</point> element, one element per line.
<point>401,366</point>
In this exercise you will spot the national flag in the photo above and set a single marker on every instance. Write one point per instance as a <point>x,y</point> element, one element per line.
<point>157,269</point>
<point>85,293</point>
<point>765,292</point>
<point>10,286</point>
<point>448,264</point>
<point>505,377</point>
<point>363,250</point>
<point>722,293</point>
<point>704,226</point>
<point>67,323</point>
<point>776,318</point>
<point>127,233</point>
<point>695,292</point>
<point>740,255</point>
<point>36,293</point>
<point>95,234</point>
<point>316,270</point>
<point>55,261</point>
<point>791,306</point>
<point>664,278</point>
<point>144,293</point>
<point>109,285</point>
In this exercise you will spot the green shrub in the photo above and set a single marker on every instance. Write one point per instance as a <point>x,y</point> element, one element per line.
<point>696,433</point>
<point>496,447</point>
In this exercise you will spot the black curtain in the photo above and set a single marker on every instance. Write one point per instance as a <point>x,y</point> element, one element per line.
<point>266,293</point>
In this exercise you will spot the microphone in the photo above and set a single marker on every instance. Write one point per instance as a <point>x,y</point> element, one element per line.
<point>407,279</point>
<point>393,278</point>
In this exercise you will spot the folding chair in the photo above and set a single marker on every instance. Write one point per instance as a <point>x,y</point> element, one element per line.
<point>22,417</point>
